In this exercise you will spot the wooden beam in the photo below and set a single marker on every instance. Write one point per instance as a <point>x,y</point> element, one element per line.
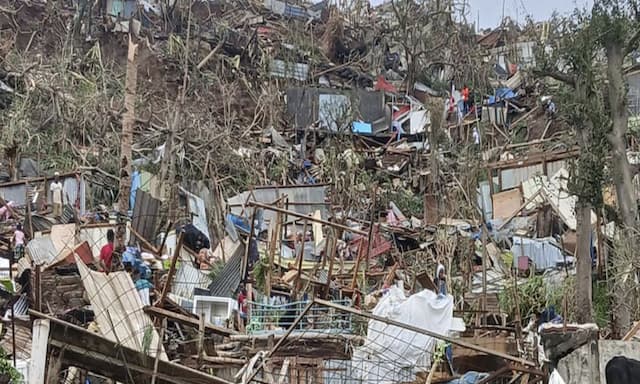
<point>303,216</point>
<point>88,350</point>
<point>38,362</point>
<point>145,242</point>
<point>188,321</point>
<point>409,327</point>
<point>534,159</point>
<point>172,270</point>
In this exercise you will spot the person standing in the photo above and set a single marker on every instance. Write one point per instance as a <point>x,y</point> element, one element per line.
<point>106,253</point>
<point>465,99</point>
<point>440,280</point>
<point>18,243</point>
<point>56,195</point>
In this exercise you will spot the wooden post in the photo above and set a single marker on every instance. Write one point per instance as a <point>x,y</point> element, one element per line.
<point>38,288</point>
<point>172,270</point>
<point>357,266</point>
<point>300,257</point>
<point>126,141</point>
<point>201,340</point>
<point>484,273</point>
<point>245,260</point>
<point>38,362</point>
<point>158,351</point>
<point>331,254</point>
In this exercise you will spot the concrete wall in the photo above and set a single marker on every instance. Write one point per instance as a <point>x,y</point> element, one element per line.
<point>576,367</point>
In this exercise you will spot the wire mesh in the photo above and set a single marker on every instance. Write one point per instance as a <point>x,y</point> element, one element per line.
<point>371,351</point>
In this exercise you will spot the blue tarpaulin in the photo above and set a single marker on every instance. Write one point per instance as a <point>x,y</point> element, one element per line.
<point>470,377</point>
<point>360,127</point>
<point>136,181</point>
<point>502,94</point>
<point>239,222</point>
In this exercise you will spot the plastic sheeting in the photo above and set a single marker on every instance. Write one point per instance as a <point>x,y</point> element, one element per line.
<point>391,354</point>
<point>544,253</point>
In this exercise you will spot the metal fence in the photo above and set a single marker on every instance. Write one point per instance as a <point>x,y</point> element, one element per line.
<point>279,317</point>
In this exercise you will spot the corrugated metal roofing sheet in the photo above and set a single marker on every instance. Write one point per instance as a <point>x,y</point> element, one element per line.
<point>229,278</point>
<point>187,278</point>
<point>145,216</point>
<point>41,250</point>
<point>23,340</point>
<point>303,199</point>
<point>118,309</point>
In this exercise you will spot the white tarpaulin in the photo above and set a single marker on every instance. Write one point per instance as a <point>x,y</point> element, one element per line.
<point>393,354</point>
<point>544,253</point>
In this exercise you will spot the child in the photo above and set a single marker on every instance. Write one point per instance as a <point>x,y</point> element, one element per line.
<point>18,243</point>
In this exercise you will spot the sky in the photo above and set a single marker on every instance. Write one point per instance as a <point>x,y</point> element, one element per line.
<point>490,11</point>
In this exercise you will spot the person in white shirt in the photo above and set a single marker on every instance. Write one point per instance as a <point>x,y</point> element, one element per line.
<point>56,195</point>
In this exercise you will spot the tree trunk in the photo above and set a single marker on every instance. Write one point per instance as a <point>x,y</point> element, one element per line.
<point>621,174</point>
<point>620,118</point>
<point>583,263</point>
<point>128,119</point>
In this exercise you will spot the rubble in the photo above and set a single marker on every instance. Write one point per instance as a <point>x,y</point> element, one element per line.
<point>302,200</point>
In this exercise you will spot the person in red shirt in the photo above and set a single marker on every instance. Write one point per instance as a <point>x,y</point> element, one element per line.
<point>242,304</point>
<point>106,253</point>
<point>465,99</point>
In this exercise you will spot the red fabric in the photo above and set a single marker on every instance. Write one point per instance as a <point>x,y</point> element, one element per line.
<point>383,85</point>
<point>106,255</point>
<point>242,302</point>
<point>401,112</point>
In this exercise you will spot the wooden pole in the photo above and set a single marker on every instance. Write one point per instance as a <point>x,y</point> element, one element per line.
<point>300,257</point>
<point>415,329</point>
<point>310,218</point>
<point>245,260</point>
<point>331,254</point>
<point>158,351</point>
<point>357,266</point>
<point>38,288</point>
<point>485,259</point>
<point>201,340</point>
<point>172,270</point>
